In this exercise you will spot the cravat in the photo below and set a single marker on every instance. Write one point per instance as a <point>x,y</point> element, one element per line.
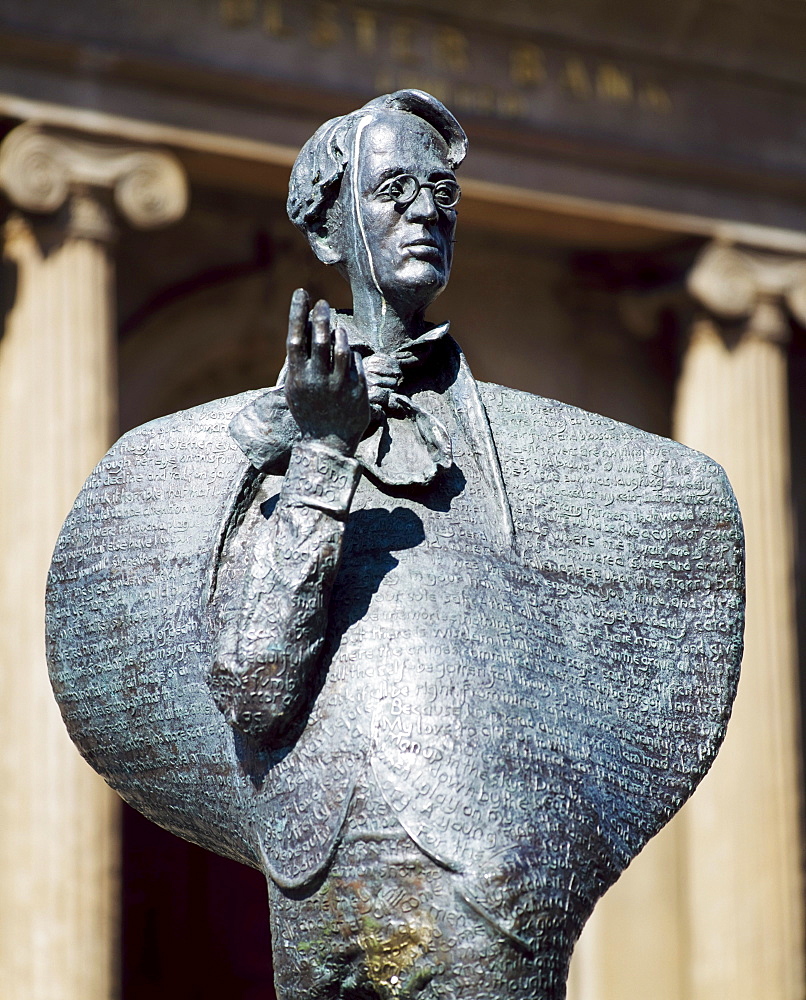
<point>404,444</point>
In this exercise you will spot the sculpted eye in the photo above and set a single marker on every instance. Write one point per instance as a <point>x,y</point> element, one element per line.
<point>447,193</point>
<point>401,189</point>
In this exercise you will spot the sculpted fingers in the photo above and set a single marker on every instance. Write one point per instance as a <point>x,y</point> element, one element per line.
<point>357,373</point>
<point>341,353</point>
<point>321,340</point>
<point>296,344</point>
<point>325,387</point>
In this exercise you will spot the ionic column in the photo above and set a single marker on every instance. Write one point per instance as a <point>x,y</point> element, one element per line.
<point>58,828</point>
<point>743,838</point>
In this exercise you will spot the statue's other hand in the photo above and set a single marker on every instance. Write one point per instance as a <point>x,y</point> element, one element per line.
<point>325,385</point>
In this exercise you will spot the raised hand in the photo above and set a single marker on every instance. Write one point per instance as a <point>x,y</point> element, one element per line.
<point>325,385</point>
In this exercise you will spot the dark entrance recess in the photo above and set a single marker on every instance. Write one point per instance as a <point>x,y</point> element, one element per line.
<point>195,925</point>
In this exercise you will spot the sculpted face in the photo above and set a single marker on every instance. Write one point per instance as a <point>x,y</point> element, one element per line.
<point>409,243</point>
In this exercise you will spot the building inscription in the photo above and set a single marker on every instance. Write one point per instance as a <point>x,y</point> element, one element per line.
<point>480,72</point>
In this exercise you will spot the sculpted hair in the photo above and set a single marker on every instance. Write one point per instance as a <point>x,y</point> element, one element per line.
<point>319,168</point>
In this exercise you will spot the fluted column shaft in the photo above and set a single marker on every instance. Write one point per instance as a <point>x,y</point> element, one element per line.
<point>58,854</point>
<point>743,838</point>
<point>58,829</point>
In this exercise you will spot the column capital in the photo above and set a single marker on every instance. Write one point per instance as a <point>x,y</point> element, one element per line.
<point>758,287</point>
<point>41,167</point>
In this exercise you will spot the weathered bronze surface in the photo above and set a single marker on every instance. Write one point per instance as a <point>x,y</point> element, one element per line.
<point>438,657</point>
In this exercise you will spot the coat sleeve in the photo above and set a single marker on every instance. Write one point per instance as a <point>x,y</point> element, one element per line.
<point>264,672</point>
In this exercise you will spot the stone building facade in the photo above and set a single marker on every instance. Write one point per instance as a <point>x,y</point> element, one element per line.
<point>632,240</point>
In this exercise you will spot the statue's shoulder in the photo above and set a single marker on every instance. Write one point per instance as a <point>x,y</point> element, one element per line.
<point>206,421</point>
<point>128,629</point>
<point>550,437</point>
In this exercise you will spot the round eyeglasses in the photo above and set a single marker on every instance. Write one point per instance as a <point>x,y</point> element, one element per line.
<point>404,188</point>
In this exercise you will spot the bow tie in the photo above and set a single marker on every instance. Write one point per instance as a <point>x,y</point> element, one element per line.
<point>404,445</point>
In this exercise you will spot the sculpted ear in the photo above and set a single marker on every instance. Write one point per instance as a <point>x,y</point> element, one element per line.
<point>322,246</point>
<point>326,233</point>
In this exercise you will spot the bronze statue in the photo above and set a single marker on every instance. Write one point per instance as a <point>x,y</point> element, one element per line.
<point>438,657</point>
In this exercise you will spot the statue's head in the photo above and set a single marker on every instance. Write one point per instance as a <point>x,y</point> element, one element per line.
<point>375,193</point>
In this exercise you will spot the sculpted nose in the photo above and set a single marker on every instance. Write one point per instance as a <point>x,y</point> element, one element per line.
<point>423,208</point>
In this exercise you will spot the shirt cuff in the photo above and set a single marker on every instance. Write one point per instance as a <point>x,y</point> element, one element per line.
<point>319,476</point>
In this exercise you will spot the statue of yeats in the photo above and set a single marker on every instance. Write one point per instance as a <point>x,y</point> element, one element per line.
<point>438,657</point>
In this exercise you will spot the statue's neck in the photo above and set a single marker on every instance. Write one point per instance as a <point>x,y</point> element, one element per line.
<point>383,325</point>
